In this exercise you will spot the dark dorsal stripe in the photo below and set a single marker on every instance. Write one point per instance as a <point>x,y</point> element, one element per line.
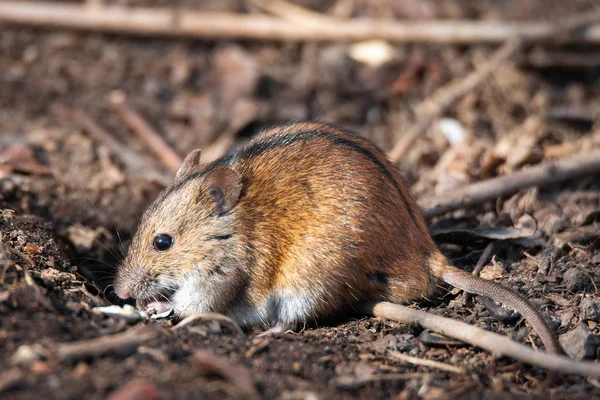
<point>278,141</point>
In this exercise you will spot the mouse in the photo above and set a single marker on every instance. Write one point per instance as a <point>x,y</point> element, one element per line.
<point>299,222</point>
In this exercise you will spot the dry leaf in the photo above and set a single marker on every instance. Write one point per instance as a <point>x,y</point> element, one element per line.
<point>20,158</point>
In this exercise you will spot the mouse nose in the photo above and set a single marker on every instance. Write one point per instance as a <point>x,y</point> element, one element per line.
<point>130,283</point>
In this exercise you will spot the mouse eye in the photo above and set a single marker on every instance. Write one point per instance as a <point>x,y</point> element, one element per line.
<point>162,242</point>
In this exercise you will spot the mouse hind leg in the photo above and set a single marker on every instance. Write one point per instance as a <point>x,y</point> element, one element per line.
<point>405,287</point>
<point>288,308</point>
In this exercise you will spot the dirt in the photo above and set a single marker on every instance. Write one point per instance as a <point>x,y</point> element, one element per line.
<point>69,204</point>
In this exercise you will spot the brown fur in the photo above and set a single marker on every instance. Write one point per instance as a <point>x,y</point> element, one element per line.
<point>302,209</point>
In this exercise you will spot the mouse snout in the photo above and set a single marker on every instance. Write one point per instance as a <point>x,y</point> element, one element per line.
<point>131,283</point>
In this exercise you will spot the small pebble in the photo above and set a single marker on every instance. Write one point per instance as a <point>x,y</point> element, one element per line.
<point>25,355</point>
<point>574,279</point>
<point>579,343</point>
<point>590,309</point>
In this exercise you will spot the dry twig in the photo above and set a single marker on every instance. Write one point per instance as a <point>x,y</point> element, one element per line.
<point>426,363</point>
<point>11,378</point>
<point>105,344</point>
<point>572,147</point>
<point>210,25</point>
<point>551,59</point>
<point>170,159</point>
<point>540,175</point>
<point>490,341</point>
<point>293,12</point>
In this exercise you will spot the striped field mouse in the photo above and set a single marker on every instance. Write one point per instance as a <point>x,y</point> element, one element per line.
<point>299,222</point>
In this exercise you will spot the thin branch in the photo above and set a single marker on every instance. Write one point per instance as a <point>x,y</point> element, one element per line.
<point>11,378</point>
<point>552,59</point>
<point>490,341</point>
<point>572,146</point>
<point>170,159</point>
<point>105,344</point>
<point>483,259</point>
<point>166,22</point>
<point>293,12</point>
<point>502,186</point>
<point>446,96</point>
<point>426,363</point>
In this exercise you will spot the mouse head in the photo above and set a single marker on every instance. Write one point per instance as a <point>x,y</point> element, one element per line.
<point>185,254</point>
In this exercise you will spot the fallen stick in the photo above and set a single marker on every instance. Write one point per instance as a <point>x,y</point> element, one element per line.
<point>293,12</point>
<point>105,344</point>
<point>540,175</point>
<point>446,96</point>
<point>124,341</point>
<point>426,363</point>
<point>573,146</point>
<point>166,22</point>
<point>170,159</point>
<point>552,59</point>
<point>486,340</point>
<point>11,378</point>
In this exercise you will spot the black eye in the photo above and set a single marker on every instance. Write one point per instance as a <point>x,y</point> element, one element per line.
<point>162,242</point>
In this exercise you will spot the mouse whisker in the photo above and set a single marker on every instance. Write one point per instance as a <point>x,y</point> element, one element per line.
<point>120,244</point>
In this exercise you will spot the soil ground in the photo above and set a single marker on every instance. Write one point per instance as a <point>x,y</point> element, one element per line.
<point>69,207</point>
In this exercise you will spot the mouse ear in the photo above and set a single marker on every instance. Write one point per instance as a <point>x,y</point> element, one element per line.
<point>225,186</point>
<point>191,163</point>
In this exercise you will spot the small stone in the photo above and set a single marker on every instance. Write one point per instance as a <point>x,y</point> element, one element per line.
<point>580,343</point>
<point>590,309</point>
<point>574,279</point>
<point>26,355</point>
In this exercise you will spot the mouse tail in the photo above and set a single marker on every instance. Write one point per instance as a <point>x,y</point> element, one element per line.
<point>497,292</point>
